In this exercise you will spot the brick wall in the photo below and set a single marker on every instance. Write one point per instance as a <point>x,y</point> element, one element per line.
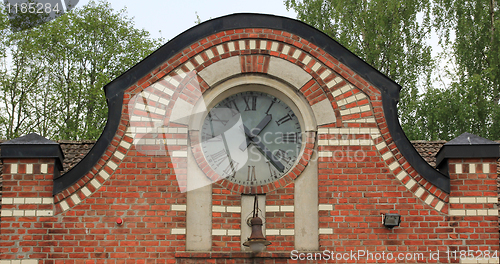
<point>141,179</point>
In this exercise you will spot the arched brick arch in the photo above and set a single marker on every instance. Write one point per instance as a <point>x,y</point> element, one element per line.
<point>356,101</point>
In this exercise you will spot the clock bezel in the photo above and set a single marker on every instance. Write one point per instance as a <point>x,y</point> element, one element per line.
<point>289,95</point>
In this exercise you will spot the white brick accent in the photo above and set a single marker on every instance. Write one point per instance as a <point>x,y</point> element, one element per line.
<point>419,192</point>
<point>64,205</point>
<point>199,59</point>
<point>210,54</point>
<point>316,66</point>
<point>29,168</point>
<point>325,207</point>
<point>112,165</point>
<point>492,211</point>
<point>86,191</point>
<point>458,168</point>
<point>277,208</point>
<point>483,212</point>
<point>473,200</point>
<point>178,207</point>
<point>380,145</point>
<point>323,130</point>
<point>233,209</point>
<point>119,155</point>
<point>274,46</point>
<point>306,59</point>
<point>13,168</point>
<point>401,175</point>
<point>410,184</point>
<point>104,174</point>
<point>33,201</point>
<point>272,232</point>
<point>218,209</point>
<point>43,168</point>
<point>472,168</point>
<point>263,44</point>
<point>95,183</point>
<point>253,44</point>
<point>28,200</point>
<point>76,199</point>
<point>234,232</point>
<point>44,213</point>
<point>272,208</point>
<point>429,199</point>
<point>231,47</point>
<point>179,154</point>
<point>287,232</point>
<point>457,212</point>
<point>439,205</point>
<point>21,261</point>
<point>219,232</point>
<point>5,213</point>
<point>387,155</point>
<point>394,165</point>
<point>486,168</point>
<point>178,231</point>
<point>286,49</point>
<point>220,49</point>
<point>325,154</point>
<point>326,231</point>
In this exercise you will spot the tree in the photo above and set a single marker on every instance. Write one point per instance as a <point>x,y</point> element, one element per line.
<point>389,35</point>
<point>469,31</point>
<point>63,65</point>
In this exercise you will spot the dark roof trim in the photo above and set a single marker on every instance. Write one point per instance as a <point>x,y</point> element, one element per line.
<point>390,90</point>
<point>468,146</point>
<point>33,146</point>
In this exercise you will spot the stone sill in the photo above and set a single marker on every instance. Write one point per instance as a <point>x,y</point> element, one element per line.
<point>231,255</point>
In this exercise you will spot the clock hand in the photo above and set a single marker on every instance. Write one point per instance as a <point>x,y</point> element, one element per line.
<point>256,131</point>
<point>269,155</point>
<point>276,163</point>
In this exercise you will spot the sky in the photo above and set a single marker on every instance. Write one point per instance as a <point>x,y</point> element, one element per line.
<point>174,17</point>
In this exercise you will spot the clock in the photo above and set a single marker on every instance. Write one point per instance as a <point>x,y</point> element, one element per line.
<point>251,138</point>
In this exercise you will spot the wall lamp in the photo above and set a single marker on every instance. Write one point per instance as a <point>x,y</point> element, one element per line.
<point>391,220</point>
<point>257,242</point>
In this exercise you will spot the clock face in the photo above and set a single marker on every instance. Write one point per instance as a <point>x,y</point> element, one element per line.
<point>251,138</point>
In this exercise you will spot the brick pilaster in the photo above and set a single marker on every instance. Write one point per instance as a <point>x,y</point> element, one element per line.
<point>27,207</point>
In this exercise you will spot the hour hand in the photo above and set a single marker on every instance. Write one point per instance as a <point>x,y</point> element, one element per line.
<point>269,155</point>
<point>276,163</point>
<point>255,132</point>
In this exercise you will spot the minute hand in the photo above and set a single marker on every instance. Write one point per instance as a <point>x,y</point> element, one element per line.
<point>256,131</point>
<point>276,163</point>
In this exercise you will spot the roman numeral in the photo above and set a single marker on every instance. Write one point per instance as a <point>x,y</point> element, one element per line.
<point>250,102</point>
<point>231,168</point>
<point>281,154</point>
<point>213,117</point>
<point>233,107</point>
<point>251,174</point>
<point>219,156</point>
<point>272,172</point>
<point>291,137</point>
<point>284,119</point>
